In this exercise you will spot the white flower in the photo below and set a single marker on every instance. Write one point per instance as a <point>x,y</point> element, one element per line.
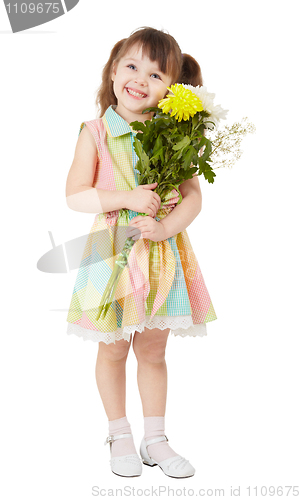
<point>217,113</point>
<point>203,95</point>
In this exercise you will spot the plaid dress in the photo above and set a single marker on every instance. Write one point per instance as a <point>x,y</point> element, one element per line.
<point>162,286</point>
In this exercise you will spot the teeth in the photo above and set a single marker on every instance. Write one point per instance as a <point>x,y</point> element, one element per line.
<point>136,94</point>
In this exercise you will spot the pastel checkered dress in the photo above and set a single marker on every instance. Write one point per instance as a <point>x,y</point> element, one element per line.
<point>162,286</point>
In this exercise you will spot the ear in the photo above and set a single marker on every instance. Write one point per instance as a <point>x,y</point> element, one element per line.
<point>113,74</point>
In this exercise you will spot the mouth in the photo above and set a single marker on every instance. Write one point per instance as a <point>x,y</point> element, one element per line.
<point>135,93</point>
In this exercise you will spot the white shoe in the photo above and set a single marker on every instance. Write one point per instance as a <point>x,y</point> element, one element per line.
<point>173,467</point>
<point>126,465</point>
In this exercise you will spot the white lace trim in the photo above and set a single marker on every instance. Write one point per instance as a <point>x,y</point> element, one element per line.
<point>179,325</point>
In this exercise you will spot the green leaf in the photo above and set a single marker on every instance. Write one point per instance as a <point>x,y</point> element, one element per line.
<point>209,176</point>
<point>188,156</point>
<point>182,144</point>
<point>139,136</point>
<point>207,171</point>
<point>208,148</point>
<point>152,109</point>
<point>138,126</point>
<point>195,120</point>
<point>158,153</point>
<point>158,145</point>
<point>192,170</point>
<point>141,153</point>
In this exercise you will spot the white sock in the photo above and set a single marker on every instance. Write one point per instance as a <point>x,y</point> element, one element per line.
<point>124,446</point>
<point>154,427</point>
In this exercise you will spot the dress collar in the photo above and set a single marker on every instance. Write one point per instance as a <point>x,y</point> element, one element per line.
<point>115,125</point>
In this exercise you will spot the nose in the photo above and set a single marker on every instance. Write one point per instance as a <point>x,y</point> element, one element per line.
<point>140,79</point>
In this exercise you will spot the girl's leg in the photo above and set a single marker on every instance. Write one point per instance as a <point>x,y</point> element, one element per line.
<point>110,374</point>
<point>111,378</point>
<point>149,348</point>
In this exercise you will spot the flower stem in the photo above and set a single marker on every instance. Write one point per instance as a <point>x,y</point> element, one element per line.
<point>120,263</point>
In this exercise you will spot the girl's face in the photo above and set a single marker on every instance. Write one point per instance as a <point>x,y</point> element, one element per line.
<point>138,84</point>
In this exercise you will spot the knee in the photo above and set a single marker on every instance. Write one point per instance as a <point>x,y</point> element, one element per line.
<point>150,352</point>
<point>114,352</point>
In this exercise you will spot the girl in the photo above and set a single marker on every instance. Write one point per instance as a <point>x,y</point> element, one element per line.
<point>162,289</point>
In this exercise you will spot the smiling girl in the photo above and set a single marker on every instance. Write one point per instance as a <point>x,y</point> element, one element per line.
<point>163,272</point>
<point>138,83</point>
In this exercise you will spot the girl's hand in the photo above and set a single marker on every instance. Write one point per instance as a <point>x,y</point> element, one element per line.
<point>145,227</point>
<point>143,199</point>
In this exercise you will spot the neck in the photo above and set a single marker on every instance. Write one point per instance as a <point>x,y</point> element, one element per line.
<point>130,117</point>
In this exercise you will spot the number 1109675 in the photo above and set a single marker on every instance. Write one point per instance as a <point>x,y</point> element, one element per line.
<point>31,8</point>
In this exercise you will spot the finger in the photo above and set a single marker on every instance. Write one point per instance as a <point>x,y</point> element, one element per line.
<point>143,234</point>
<point>155,208</point>
<point>149,186</point>
<point>135,219</point>
<point>132,228</point>
<point>134,235</point>
<point>137,227</point>
<point>158,201</point>
<point>151,212</point>
<point>137,236</point>
<point>158,198</point>
<point>136,223</point>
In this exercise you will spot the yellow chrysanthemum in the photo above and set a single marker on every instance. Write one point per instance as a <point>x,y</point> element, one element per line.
<point>182,102</point>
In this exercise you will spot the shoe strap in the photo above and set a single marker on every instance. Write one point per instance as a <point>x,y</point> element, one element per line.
<point>156,440</point>
<point>111,438</point>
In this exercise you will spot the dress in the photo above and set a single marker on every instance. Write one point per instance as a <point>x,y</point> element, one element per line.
<point>162,286</point>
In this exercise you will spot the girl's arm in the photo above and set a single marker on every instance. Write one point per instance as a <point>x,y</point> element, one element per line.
<point>81,196</point>
<point>183,215</point>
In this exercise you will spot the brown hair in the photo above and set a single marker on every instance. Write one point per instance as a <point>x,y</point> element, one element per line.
<point>160,47</point>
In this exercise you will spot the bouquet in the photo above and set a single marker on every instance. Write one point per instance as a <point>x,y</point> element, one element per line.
<point>169,149</point>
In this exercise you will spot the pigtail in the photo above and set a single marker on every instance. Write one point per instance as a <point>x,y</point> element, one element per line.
<point>190,71</point>
<point>105,94</point>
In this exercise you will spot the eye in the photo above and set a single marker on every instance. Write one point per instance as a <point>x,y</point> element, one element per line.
<point>131,66</point>
<point>155,75</point>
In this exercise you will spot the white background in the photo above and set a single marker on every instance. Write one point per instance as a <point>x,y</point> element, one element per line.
<point>233,404</point>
